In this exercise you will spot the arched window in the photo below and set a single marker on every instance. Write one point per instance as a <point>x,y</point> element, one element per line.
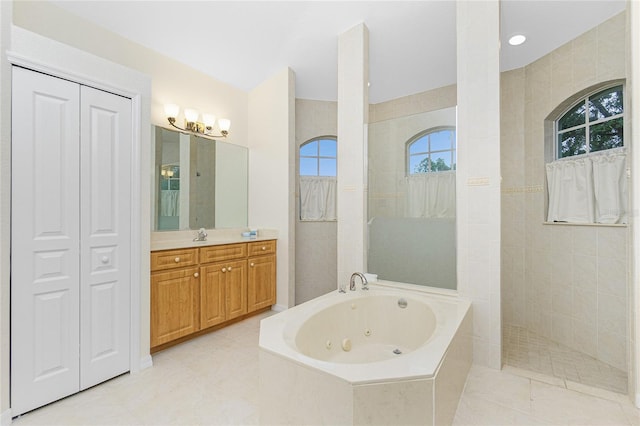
<point>592,124</point>
<point>433,150</point>
<point>318,157</point>
<point>586,180</point>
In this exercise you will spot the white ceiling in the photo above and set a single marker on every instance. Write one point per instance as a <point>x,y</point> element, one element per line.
<point>412,43</point>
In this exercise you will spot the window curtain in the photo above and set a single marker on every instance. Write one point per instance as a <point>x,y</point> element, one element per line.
<point>431,195</point>
<point>169,202</point>
<point>588,189</point>
<point>318,198</point>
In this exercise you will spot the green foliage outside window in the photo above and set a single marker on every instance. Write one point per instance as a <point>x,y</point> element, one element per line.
<point>594,124</point>
<point>432,151</point>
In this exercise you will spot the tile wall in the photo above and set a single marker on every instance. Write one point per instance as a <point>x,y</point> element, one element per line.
<point>316,245</point>
<point>566,283</point>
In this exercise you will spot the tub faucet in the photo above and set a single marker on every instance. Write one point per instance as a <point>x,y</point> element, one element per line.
<point>352,282</point>
<point>202,235</point>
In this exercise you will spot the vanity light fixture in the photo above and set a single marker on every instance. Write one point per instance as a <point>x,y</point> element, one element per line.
<point>192,125</point>
<point>166,173</point>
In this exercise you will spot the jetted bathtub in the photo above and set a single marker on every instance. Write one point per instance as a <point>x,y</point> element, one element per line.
<point>382,356</point>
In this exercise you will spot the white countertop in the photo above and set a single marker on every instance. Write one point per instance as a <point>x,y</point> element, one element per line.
<point>169,240</point>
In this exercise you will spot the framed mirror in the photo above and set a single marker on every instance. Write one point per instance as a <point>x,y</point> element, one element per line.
<point>198,182</point>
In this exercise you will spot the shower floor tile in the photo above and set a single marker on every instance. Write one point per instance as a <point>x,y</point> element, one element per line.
<point>528,351</point>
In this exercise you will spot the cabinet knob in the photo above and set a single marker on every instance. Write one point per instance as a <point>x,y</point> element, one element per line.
<point>264,248</point>
<point>229,269</point>
<point>224,269</point>
<point>177,259</point>
<point>253,264</point>
<point>196,275</point>
<point>104,260</point>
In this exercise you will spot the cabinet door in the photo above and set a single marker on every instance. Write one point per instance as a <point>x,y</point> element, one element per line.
<point>212,295</point>
<point>175,300</point>
<point>236,288</point>
<point>262,282</point>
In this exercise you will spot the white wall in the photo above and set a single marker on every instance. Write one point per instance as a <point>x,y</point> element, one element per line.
<point>172,82</point>
<point>478,175</point>
<point>5,211</point>
<point>272,176</point>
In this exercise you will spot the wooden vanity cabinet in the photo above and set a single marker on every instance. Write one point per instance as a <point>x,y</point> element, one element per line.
<point>198,288</point>
<point>223,292</point>
<point>262,275</point>
<point>175,295</point>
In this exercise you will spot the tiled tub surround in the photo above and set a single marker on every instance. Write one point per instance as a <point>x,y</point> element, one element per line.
<point>420,386</point>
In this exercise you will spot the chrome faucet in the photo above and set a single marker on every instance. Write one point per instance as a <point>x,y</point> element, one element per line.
<point>352,282</point>
<point>202,235</point>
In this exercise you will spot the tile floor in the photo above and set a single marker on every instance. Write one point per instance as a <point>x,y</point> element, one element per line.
<point>213,380</point>
<point>529,351</point>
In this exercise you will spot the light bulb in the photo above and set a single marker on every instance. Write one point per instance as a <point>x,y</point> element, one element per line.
<point>209,120</point>
<point>191,115</point>
<point>224,124</point>
<point>172,110</point>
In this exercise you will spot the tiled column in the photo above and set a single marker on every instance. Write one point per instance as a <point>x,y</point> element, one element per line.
<point>634,72</point>
<point>478,175</point>
<point>353,106</point>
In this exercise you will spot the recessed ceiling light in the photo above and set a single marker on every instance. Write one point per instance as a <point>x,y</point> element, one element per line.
<point>517,39</point>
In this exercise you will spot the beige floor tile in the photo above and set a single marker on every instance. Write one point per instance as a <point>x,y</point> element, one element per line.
<point>474,410</point>
<point>529,351</point>
<point>213,380</point>
<point>495,386</point>
<point>544,378</point>
<point>564,406</point>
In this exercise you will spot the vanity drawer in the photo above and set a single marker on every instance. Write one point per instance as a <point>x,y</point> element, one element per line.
<point>223,252</point>
<point>170,259</point>
<point>259,248</point>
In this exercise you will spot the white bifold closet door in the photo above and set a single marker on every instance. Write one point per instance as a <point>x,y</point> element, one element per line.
<point>70,238</point>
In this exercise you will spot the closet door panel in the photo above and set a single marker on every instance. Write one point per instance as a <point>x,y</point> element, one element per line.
<point>105,235</point>
<point>44,240</point>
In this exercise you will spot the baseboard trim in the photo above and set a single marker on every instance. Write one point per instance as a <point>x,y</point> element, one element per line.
<point>146,362</point>
<point>5,418</point>
<point>279,308</point>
